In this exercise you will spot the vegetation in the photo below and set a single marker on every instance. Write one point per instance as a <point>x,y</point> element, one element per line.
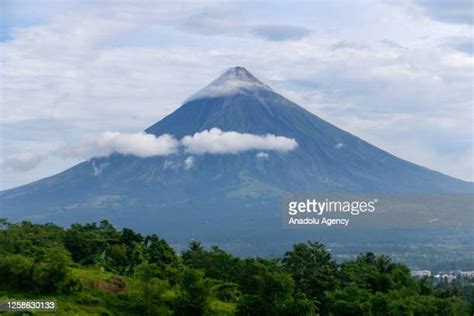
<point>95,269</point>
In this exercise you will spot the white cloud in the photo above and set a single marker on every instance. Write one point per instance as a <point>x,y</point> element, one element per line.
<point>98,169</point>
<point>339,145</point>
<point>143,145</point>
<point>234,80</point>
<point>168,164</point>
<point>262,155</point>
<point>281,32</point>
<point>189,163</point>
<point>459,11</point>
<point>137,144</point>
<point>215,141</point>
<point>347,45</point>
<point>22,161</point>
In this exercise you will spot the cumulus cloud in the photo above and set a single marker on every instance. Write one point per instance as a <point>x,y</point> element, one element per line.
<point>189,163</point>
<point>461,44</point>
<point>348,45</point>
<point>261,155</point>
<point>281,32</point>
<point>143,145</point>
<point>137,144</point>
<point>22,161</point>
<point>212,20</point>
<point>215,141</point>
<point>392,44</point>
<point>458,11</point>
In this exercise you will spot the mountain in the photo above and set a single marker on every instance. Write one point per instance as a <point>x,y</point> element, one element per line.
<point>225,195</point>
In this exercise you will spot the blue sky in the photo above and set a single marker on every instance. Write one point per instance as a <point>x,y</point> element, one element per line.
<point>396,73</point>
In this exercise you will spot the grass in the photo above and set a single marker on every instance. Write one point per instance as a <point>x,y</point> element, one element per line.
<point>102,293</point>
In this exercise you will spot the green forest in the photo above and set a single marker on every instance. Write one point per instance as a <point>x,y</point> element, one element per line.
<point>96,269</point>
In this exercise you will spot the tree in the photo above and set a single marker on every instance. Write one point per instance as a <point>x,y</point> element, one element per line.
<point>51,271</point>
<point>116,259</point>
<point>87,243</point>
<point>376,273</point>
<point>312,268</point>
<point>194,293</point>
<point>15,272</point>
<point>149,298</point>
<point>350,300</point>
<point>250,305</point>
<point>157,251</point>
<point>269,290</point>
<point>129,237</point>
<point>216,264</point>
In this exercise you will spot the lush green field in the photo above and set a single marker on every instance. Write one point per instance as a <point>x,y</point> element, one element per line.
<point>95,269</point>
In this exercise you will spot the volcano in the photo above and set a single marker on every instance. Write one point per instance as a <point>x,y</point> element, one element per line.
<point>221,195</point>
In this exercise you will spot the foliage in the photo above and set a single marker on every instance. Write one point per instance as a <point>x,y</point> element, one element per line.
<point>312,268</point>
<point>96,269</point>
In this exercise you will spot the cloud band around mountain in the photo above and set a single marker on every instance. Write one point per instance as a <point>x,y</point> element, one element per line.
<point>216,141</point>
<point>137,144</point>
<point>213,141</point>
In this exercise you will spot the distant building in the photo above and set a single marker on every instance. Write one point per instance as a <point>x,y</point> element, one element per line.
<point>467,274</point>
<point>448,277</point>
<point>420,273</point>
